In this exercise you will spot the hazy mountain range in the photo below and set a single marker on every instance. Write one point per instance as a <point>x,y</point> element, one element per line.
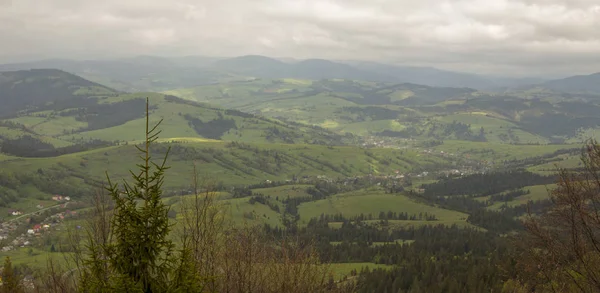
<point>159,73</point>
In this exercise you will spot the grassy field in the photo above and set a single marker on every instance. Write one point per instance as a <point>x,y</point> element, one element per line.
<point>53,125</point>
<point>346,106</point>
<point>567,161</point>
<point>373,201</point>
<point>4,157</point>
<point>496,152</point>
<point>61,127</point>
<point>284,192</point>
<point>494,127</point>
<point>34,257</point>
<point>12,133</point>
<point>230,164</point>
<point>237,211</point>
<point>368,127</point>
<point>242,212</point>
<point>242,165</point>
<point>537,192</point>
<point>585,134</point>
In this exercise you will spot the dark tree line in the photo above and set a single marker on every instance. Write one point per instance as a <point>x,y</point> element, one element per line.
<point>485,184</point>
<point>32,147</point>
<point>213,129</point>
<point>274,133</point>
<point>440,258</point>
<point>100,116</point>
<point>538,160</point>
<point>260,198</point>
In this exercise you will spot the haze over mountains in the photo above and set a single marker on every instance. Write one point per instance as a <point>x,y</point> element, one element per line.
<point>144,73</point>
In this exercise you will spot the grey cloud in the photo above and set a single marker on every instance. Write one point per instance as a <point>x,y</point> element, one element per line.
<point>490,36</point>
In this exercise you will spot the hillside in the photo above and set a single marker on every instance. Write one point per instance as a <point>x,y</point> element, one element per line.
<point>229,163</point>
<point>576,84</point>
<point>408,111</point>
<point>53,109</point>
<point>34,89</point>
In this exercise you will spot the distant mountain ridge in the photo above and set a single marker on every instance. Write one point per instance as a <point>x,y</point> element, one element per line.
<point>579,83</point>
<point>151,73</point>
<point>316,69</point>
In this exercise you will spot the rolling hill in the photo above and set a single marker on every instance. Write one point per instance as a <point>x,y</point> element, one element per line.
<point>576,84</point>
<point>408,111</point>
<point>34,89</point>
<point>58,109</point>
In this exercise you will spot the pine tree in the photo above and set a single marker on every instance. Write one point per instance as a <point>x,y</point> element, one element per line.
<point>141,249</point>
<point>141,257</point>
<point>11,281</point>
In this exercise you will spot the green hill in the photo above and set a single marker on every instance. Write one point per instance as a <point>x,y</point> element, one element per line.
<point>407,111</point>
<point>34,89</point>
<point>54,109</point>
<point>24,180</point>
<point>576,84</point>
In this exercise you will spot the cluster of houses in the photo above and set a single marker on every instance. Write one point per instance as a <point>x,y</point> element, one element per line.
<point>25,239</point>
<point>15,213</point>
<point>60,198</point>
<point>6,228</point>
<point>37,229</point>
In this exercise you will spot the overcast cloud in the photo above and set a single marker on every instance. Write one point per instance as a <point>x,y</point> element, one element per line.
<point>492,36</point>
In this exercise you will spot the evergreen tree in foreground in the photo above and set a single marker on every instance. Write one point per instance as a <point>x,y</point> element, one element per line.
<point>11,281</point>
<point>136,254</point>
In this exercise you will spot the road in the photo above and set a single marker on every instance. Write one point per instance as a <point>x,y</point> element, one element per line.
<point>38,211</point>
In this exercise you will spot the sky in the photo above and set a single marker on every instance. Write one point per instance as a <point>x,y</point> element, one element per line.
<point>508,37</point>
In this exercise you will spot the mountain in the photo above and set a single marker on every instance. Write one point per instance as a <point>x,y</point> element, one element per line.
<point>151,73</point>
<point>21,90</point>
<point>253,65</point>
<point>426,76</point>
<point>576,84</point>
<point>314,69</point>
<point>142,73</point>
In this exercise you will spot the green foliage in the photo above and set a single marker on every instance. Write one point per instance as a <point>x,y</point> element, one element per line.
<point>11,281</point>
<point>141,258</point>
<point>212,129</point>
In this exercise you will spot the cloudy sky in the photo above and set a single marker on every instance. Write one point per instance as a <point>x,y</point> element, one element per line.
<point>516,37</point>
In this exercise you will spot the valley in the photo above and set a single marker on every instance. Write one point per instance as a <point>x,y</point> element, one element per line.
<point>376,170</point>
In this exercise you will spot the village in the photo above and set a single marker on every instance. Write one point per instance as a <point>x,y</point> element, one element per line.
<point>23,229</point>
